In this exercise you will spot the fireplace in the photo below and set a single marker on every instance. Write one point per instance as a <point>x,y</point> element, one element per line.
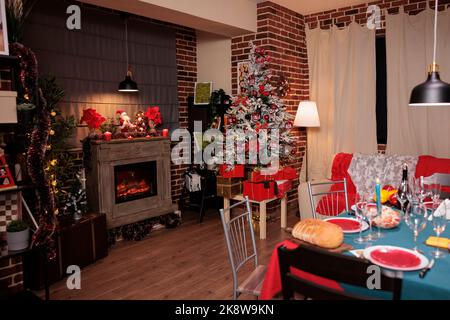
<point>129,180</point>
<point>135,181</point>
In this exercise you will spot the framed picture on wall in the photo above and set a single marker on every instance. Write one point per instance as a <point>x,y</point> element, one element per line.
<point>202,93</point>
<point>3,30</point>
<point>242,73</point>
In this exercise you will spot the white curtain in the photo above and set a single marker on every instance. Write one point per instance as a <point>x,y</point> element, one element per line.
<point>342,80</point>
<point>409,46</point>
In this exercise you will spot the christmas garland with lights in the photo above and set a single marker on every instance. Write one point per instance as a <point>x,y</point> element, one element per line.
<point>36,152</point>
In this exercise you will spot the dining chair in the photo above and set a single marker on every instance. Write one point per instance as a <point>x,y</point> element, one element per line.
<point>442,179</point>
<point>328,198</point>
<point>333,266</point>
<point>241,246</point>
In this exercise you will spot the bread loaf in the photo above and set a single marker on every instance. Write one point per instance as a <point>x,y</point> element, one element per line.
<point>320,233</point>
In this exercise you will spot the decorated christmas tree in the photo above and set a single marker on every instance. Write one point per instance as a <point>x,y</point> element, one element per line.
<point>258,111</point>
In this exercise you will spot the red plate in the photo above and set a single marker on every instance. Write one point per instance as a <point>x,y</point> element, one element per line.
<point>396,258</point>
<point>347,225</point>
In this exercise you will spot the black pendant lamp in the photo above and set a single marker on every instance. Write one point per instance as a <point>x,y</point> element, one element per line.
<point>128,85</point>
<point>433,92</point>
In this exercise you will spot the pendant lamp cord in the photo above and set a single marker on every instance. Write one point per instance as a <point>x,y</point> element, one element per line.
<point>435,31</point>
<point>126,43</point>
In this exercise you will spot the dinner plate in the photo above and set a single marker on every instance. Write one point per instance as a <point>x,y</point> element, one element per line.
<point>348,225</point>
<point>353,207</point>
<point>395,258</point>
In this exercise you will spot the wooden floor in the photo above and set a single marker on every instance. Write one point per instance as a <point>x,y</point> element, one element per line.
<point>189,262</point>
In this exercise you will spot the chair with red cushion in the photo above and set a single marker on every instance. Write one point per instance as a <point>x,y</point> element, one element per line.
<point>334,266</point>
<point>331,202</point>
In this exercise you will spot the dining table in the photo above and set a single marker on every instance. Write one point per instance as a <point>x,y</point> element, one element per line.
<point>434,286</point>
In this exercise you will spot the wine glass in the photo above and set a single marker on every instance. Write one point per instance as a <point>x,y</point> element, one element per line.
<point>419,189</point>
<point>435,191</point>
<point>360,204</point>
<point>416,219</point>
<point>379,217</point>
<point>370,212</point>
<point>439,223</point>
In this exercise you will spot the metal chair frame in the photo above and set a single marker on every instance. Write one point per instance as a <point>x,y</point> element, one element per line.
<point>312,195</point>
<point>236,240</point>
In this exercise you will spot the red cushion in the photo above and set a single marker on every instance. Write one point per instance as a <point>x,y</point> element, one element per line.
<point>339,171</point>
<point>428,165</point>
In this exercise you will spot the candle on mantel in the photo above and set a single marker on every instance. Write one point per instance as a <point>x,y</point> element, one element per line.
<point>107,136</point>
<point>165,133</point>
<point>378,194</point>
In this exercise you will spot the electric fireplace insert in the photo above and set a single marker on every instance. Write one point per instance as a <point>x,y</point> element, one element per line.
<point>135,181</point>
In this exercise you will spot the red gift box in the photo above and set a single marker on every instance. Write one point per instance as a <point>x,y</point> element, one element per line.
<point>259,191</point>
<point>286,173</point>
<point>263,175</point>
<point>236,172</point>
<point>283,186</point>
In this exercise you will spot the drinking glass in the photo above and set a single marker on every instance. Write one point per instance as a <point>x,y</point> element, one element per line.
<point>439,223</point>
<point>416,219</point>
<point>419,191</point>
<point>360,205</point>
<point>435,191</point>
<point>379,216</point>
<point>370,212</point>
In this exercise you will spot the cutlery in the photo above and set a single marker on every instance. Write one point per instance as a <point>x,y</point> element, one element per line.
<point>424,271</point>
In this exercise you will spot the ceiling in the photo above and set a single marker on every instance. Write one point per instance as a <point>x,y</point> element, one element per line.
<point>313,6</point>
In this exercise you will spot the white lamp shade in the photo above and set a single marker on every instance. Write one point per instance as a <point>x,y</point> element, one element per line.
<point>307,115</point>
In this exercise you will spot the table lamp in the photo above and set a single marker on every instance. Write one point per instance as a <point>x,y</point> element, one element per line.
<point>307,117</point>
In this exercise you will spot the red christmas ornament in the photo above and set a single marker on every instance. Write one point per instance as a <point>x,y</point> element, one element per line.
<point>266,117</point>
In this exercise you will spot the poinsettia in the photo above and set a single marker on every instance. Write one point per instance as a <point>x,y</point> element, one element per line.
<point>154,115</point>
<point>92,118</point>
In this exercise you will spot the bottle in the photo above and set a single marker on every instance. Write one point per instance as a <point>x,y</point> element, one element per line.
<point>403,189</point>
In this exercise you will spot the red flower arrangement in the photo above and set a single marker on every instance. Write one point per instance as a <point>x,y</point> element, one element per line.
<point>154,115</point>
<point>92,118</point>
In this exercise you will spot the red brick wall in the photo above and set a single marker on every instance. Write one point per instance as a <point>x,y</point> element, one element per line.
<point>11,275</point>
<point>281,32</point>
<point>187,76</point>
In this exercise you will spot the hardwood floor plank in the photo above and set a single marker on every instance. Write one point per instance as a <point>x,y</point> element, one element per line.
<point>189,262</point>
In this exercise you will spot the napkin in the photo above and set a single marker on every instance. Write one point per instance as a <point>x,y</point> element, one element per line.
<point>443,209</point>
<point>438,242</point>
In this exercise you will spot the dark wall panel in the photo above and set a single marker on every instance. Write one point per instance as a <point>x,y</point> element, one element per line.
<point>89,63</point>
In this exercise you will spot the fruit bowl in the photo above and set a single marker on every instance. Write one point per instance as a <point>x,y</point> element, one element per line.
<point>389,219</point>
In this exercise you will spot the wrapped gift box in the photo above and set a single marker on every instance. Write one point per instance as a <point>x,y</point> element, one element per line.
<point>259,191</point>
<point>286,173</point>
<point>283,187</point>
<point>228,187</point>
<point>236,172</point>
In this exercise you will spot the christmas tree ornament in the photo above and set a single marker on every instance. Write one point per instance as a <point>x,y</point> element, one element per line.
<point>140,122</point>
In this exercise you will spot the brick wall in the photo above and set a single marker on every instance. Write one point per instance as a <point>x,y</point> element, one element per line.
<point>11,275</point>
<point>281,33</point>
<point>187,76</point>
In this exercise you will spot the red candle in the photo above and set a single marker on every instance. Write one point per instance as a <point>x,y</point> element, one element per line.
<point>148,136</point>
<point>130,138</point>
<point>107,135</point>
<point>165,133</point>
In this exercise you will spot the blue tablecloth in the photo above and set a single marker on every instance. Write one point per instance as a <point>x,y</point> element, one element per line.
<point>436,284</point>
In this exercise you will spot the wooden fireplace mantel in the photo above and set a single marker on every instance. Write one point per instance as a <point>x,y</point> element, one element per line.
<point>100,184</point>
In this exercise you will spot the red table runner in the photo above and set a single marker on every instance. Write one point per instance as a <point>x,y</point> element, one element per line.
<point>272,281</point>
